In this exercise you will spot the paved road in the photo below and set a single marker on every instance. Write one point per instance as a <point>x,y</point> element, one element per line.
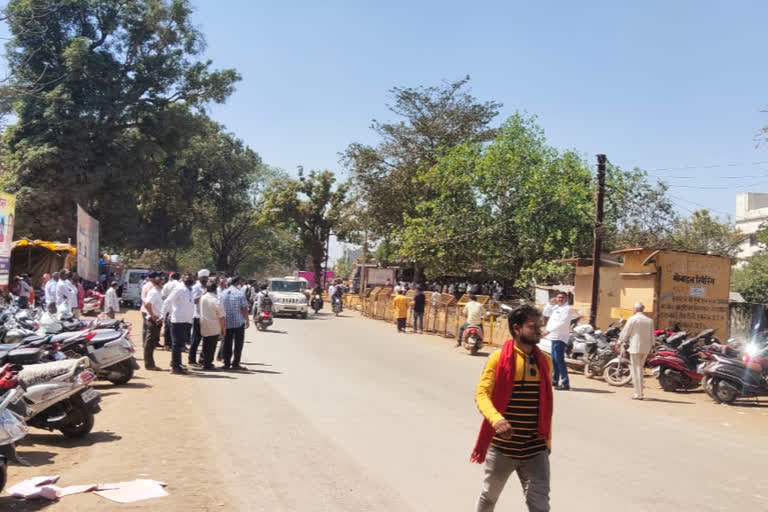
<point>343,414</point>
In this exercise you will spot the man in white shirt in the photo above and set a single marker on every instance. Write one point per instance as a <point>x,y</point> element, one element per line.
<point>557,331</point>
<point>50,289</point>
<point>173,283</point>
<point>181,307</point>
<point>66,295</point>
<point>153,320</point>
<point>197,292</point>
<point>146,287</point>
<point>212,324</point>
<point>637,338</point>
<point>111,302</point>
<point>474,312</point>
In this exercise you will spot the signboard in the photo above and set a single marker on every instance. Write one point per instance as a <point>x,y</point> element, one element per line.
<point>7,215</point>
<point>87,246</point>
<point>694,292</point>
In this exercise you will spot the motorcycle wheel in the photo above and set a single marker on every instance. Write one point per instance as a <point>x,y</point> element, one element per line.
<point>724,392</point>
<point>124,370</point>
<point>259,327</point>
<point>3,474</point>
<point>472,345</point>
<point>667,383</point>
<point>80,420</point>
<point>316,311</point>
<point>706,383</point>
<point>588,372</point>
<point>617,374</point>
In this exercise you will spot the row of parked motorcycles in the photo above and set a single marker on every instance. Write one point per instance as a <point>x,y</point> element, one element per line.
<point>680,361</point>
<point>46,377</point>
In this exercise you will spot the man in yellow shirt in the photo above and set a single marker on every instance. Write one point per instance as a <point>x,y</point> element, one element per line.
<point>401,310</point>
<point>514,396</point>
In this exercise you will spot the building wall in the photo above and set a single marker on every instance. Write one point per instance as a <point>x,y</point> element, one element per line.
<point>751,213</point>
<point>693,291</point>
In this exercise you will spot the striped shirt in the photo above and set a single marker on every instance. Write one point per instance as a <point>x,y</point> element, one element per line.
<point>522,410</point>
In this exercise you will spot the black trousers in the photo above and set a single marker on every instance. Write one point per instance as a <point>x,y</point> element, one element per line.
<point>151,339</point>
<point>209,349</point>
<point>196,337</point>
<point>167,339</point>
<point>180,332</point>
<point>236,336</point>
<point>401,324</point>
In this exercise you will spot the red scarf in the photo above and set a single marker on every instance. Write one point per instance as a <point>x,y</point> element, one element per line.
<point>502,392</point>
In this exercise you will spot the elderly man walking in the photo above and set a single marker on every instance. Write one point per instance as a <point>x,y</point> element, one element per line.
<point>236,311</point>
<point>637,338</point>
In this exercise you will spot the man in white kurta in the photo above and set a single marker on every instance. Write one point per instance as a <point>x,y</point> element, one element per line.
<point>637,338</point>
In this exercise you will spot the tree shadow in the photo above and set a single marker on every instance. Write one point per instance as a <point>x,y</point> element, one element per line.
<point>60,441</point>
<point>18,505</point>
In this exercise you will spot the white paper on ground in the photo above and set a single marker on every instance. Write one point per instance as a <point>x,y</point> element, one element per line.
<point>36,488</point>
<point>130,492</point>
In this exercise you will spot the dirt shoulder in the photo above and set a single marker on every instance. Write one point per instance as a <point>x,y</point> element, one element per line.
<point>148,428</point>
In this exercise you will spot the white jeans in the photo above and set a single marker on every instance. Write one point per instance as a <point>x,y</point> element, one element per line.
<point>637,368</point>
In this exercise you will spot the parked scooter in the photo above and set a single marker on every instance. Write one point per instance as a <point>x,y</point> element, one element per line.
<point>12,426</point>
<point>682,370</point>
<point>317,302</point>
<point>93,302</point>
<point>473,338</point>
<point>734,378</point>
<point>111,353</point>
<point>600,351</point>
<point>58,396</point>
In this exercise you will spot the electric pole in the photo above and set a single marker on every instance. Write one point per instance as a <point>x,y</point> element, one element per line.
<point>598,238</point>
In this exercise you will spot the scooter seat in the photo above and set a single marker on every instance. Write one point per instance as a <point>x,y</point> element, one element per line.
<point>64,337</point>
<point>39,373</point>
<point>34,339</point>
<point>7,347</point>
<point>24,356</point>
<point>105,336</point>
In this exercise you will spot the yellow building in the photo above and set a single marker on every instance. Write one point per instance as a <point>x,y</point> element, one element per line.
<point>687,288</point>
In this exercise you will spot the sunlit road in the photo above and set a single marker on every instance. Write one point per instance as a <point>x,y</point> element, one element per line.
<point>345,414</point>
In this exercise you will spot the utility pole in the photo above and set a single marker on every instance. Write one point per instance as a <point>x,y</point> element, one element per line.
<point>598,238</point>
<point>324,277</point>
<point>364,273</point>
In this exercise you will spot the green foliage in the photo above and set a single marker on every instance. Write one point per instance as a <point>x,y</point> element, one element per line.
<point>120,91</point>
<point>752,279</point>
<point>701,233</point>
<point>432,121</point>
<point>311,206</point>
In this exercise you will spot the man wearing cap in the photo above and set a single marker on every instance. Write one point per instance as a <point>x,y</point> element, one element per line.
<point>637,339</point>
<point>197,291</point>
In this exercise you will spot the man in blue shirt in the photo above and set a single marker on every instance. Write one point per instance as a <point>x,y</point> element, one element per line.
<point>236,310</point>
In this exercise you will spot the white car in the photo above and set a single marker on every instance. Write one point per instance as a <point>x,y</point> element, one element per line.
<point>288,296</point>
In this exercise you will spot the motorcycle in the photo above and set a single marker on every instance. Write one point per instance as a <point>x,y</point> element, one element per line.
<point>682,369</point>
<point>317,302</point>
<point>58,396</point>
<point>93,302</point>
<point>336,305</point>
<point>263,321</point>
<point>473,338</point>
<point>600,350</point>
<point>734,378</point>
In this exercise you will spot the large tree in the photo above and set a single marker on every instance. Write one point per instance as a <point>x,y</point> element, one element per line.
<point>429,122</point>
<point>313,206</point>
<point>120,84</point>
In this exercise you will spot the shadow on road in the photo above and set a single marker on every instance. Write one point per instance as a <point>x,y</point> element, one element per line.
<point>752,404</point>
<point>665,401</point>
<point>209,375</point>
<point>129,385</point>
<point>592,390</point>
<point>249,371</point>
<point>8,503</point>
<point>255,364</point>
<point>270,331</point>
<point>63,442</point>
<point>34,458</point>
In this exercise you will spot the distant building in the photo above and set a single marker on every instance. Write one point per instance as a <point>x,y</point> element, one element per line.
<point>751,213</point>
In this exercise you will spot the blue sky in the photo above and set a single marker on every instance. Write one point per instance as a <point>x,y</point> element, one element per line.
<point>660,85</point>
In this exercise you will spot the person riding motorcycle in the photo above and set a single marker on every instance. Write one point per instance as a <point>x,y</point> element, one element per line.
<point>338,293</point>
<point>474,311</point>
<point>263,302</point>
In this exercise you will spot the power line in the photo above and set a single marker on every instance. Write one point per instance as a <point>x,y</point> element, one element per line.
<point>714,166</point>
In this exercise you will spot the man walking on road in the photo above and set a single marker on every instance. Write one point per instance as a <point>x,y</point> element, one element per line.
<point>401,310</point>
<point>197,293</point>
<point>557,332</point>
<point>153,321</point>
<point>514,396</point>
<point>111,302</point>
<point>637,338</point>
<point>182,309</point>
<point>419,301</point>
<point>236,311</point>
<point>212,324</point>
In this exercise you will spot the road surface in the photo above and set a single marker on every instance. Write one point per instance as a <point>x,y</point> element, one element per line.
<point>344,414</point>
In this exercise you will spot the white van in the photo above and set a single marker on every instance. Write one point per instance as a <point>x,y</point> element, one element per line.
<point>132,285</point>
